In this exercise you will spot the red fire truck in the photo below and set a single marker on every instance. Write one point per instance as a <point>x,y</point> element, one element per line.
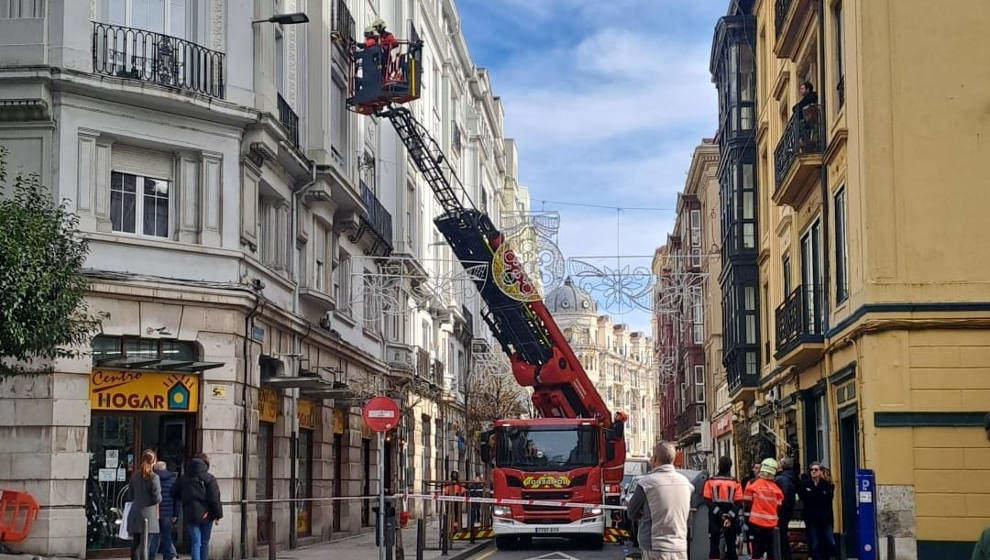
<point>575,450</point>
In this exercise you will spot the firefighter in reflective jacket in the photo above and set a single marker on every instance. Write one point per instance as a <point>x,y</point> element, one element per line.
<point>764,497</point>
<point>724,496</point>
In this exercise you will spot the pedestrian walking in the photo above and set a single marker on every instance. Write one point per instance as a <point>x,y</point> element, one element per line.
<point>724,495</point>
<point>146,493</point>
<point>787,481</point>
<point>764,498</point>
<point>817,492</point>
<point>198,494</point>
<point>167,513</point>
<point>661,504</point>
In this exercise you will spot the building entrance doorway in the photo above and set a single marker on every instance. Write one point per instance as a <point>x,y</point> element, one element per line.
<point>116,440</point>
<point>848,462</point>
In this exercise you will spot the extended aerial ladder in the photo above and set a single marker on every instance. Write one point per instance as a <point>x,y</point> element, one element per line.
<point>540,355</point>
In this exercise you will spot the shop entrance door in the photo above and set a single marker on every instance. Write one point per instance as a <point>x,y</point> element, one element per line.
<point>338,476</point>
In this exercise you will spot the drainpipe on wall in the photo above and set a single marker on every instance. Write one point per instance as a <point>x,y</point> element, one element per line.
<point>259,300</point>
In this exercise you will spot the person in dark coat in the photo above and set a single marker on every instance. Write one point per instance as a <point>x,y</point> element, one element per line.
<point>146,493</point>
<point>788,481</point>
<point>198,494</point>
<point>167,512</point>
<point>817,492</point>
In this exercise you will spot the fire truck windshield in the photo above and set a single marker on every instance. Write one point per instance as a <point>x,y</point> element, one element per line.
<point>545,448</point>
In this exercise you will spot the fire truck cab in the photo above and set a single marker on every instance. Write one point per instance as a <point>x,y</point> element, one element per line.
<point>551,459</point>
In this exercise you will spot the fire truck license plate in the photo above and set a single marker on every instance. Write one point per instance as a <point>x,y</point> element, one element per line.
<point>548,529</point>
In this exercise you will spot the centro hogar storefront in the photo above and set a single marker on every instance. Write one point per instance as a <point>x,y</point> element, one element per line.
<point>143,394</point>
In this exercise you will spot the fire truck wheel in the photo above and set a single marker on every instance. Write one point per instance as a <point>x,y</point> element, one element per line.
<point>505,542</point>
<point>594,542</point>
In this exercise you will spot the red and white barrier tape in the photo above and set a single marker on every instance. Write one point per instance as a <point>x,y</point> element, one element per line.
<point>505,501</point>
<point>439,497</point>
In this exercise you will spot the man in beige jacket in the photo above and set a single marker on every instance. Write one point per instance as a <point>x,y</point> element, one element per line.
<point>661,504</point>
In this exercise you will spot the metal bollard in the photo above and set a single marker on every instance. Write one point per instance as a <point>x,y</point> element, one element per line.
<point>271,536</point>
<point>444,528</point>
<point>471,519</point>
<point>776,543</point>
<point>420,537</point>
<point>144,540</point>
<point>891,548</point>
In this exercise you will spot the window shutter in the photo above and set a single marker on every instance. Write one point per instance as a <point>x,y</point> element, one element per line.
<point>143,161</point>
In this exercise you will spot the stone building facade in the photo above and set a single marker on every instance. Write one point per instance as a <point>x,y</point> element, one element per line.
<point>868,295</point>
<point>616,359</point>
<point>241,224</point>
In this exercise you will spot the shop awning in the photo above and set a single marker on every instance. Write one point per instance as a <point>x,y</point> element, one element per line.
<point>302,382</point>
<point>157,364</point>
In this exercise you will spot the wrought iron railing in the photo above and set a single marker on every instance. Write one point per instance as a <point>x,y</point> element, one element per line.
<point>468,319</point>
<point>423,363</point>
<point>437,372</point>
<point>289,119</point>
<point>687,419</point>
<point>378,218</point>
<point>343,23</point>
<point>126,52</point>
<point>780,8</point>
<point>801,136</point>
<point>797,321</point>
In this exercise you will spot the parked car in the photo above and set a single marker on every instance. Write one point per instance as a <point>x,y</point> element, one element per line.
<point>697,519</point>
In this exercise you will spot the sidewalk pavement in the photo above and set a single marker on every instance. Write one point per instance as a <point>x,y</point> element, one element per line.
<point>362,547</point>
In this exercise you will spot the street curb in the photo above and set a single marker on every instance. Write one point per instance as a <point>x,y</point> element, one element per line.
<point>471,551</point>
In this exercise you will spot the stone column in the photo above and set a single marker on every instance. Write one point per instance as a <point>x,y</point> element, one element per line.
<point>44,427</point>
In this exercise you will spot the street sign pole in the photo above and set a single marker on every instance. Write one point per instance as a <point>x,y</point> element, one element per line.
<point>381,495</point>
<point>381,414</point>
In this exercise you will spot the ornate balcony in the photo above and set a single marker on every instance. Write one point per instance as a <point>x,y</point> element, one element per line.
<point>136,54</point>
<point>377,221</point>
<point>686,426</point>
<point>289,119</point>
<point>799,327</point>
<point>790,17</point>
<point>798,156</point>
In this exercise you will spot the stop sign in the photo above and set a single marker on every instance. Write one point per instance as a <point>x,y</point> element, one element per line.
<point>381,414</point>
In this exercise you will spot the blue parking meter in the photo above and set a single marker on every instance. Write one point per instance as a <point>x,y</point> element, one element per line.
<point>866,513</point>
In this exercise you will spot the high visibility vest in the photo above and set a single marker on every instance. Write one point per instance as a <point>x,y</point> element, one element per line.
<point>722,490</point>
<point>766,498</point>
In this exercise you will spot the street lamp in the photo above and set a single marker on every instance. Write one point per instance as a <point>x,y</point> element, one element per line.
<point>285,19</point>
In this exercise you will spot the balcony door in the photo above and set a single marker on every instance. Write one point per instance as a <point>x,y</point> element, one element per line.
<point>811,277</point>
<point>170,17</point>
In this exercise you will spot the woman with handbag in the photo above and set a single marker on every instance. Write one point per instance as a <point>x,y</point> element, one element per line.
<point>146,494</point>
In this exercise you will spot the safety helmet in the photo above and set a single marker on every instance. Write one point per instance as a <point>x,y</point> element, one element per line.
<point>369,31</point>
<point>768,467</point>
<point>379,23</point>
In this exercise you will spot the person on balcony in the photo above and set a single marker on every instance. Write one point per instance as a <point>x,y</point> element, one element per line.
<point>808,96</point>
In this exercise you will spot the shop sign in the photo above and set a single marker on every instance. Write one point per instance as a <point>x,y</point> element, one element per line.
<point>217,392</point>
<point>143,391</point>
<point>306,413</point>
<point>267,405</point>
<point>722,423</point>
<point>338,421</point>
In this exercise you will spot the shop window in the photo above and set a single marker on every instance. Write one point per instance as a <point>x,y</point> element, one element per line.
<point>110,347</point>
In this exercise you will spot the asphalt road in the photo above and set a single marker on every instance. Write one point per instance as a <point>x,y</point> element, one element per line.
<point>554,549</point>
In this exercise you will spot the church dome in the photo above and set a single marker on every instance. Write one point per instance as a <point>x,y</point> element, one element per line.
<point>569,298</point>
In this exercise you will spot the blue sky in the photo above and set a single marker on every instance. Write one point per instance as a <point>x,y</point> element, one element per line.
<point>607,100</point>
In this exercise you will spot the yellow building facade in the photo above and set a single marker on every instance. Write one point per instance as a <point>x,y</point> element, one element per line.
<point>873,285</point>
